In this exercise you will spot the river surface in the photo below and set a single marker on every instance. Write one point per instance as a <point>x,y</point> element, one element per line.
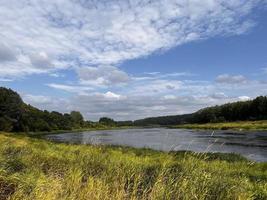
<point>251,144</point>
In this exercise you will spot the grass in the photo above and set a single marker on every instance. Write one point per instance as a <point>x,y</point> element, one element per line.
<point>31,168</point>
<point>241,125</point>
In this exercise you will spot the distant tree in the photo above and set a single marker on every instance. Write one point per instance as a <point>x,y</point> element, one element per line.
<point>107,121</point>
<point>77,118</point>
<point>124,123</point>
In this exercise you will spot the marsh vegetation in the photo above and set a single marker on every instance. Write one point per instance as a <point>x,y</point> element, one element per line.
<point>37,169</point>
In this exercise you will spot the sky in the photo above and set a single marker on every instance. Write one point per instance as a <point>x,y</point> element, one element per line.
<point>130,59</point>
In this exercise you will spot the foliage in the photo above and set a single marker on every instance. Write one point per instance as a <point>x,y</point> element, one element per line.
<point>37,169</point>
<point>124,123</point>
<point>77,118</point>
<point>107,121</point>
<point>164,120</point>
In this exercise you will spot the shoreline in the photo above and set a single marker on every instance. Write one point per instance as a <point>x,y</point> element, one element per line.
<point>236,126</point>
<point>40,133</point>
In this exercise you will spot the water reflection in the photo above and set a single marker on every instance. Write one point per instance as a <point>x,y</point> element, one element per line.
<point>252,145</point>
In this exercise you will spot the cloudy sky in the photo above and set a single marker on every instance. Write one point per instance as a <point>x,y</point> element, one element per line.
<point>129,59</point>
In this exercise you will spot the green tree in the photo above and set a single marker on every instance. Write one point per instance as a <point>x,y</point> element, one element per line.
<point>107,121</point>
<point>6,124</point>
<point>77,118</point>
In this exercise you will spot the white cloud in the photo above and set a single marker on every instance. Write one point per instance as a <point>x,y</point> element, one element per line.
<point>5,80</point>
<point>219,95</point>
<point>6,53</point>
<point>111,95</point>
<point>33,99</point>
<point>169,97</point>
<point>147,98</point>
<point>244,98</point>
<point>95,37</point>
<point>122,107</point>
<point>57,75</point>
<point>70,88</point>
<point>152,87</point>
<point>102,76</point>
<point>152,73</point>
<point>158,75</point>
<point>229,79</point>
<point>41,60</point>
<point>53,35</point>
<point>47,103</point>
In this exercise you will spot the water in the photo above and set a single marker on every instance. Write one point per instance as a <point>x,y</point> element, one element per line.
<point>252,145</point>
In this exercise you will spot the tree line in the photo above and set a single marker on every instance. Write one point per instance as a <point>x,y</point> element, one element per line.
<point>238,111</point>
<point>17,116</point>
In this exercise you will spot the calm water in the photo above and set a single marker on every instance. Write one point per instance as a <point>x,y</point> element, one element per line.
<point>252,145</point>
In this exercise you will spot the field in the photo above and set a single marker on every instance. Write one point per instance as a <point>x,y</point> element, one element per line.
<point>241,125</point>
<point>32,168</point>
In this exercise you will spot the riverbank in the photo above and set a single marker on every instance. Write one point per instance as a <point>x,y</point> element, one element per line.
<point>32,168</point>
<point>241,125</point>
<point>43,133</point>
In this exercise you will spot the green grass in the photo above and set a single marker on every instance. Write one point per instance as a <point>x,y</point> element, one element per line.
<point>241,125</point>
<point>32,168</point>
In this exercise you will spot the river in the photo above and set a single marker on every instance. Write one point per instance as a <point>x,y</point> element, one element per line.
<point>250,144</point>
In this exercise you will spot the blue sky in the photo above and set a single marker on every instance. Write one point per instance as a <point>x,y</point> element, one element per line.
<point>133,59</point>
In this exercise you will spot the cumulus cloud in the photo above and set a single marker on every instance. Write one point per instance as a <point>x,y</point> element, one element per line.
<point>231,79</point>
<point>111,95</point>
<point>52,34</point>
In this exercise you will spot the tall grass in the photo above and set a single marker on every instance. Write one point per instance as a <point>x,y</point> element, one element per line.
<point>37,169</point>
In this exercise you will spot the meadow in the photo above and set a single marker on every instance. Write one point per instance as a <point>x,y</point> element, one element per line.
<point>239,125</point>
<point>32,168</point>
